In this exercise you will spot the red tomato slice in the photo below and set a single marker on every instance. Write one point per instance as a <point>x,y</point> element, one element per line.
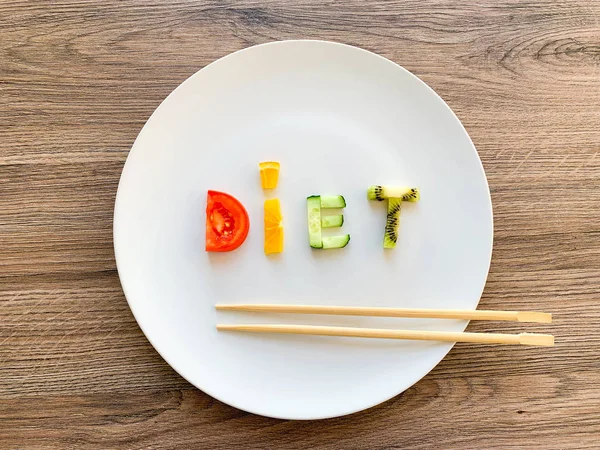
<point>227,222</point>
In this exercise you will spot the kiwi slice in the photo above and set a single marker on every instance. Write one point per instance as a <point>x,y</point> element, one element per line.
<point>380,193</point>
<point>392,223</point>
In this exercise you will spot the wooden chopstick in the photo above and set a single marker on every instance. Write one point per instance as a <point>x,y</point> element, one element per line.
<point>480,338</point>
<point>516,316</point>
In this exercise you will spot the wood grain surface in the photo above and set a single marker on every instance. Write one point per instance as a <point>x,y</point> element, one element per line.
<point>78,79</point>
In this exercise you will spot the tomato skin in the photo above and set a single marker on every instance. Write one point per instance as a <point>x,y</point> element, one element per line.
<point>227,222</point>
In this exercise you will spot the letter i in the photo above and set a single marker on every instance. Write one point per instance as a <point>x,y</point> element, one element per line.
<point>269,175</point>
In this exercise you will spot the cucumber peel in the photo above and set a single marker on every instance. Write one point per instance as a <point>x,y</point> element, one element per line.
<point>316,222</point>
<point>335,241</point>
<point>333,201</point>
<point>313,204</point>
<point>332,221</point>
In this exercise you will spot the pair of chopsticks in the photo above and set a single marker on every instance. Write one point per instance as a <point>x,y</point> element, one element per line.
<point>481,338</point>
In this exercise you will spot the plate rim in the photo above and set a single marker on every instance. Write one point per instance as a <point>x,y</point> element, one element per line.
<point>179,370</point>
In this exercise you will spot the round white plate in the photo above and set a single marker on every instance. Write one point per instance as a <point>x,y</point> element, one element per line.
<point>339,119</point>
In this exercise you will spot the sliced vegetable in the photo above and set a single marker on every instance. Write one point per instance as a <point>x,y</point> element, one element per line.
<point>335,241</point>
<point>332,221</point>
<point>273,226</point>
<point>269,174</point>
<point>227,222</point>
<point>316,222</point>
<point>313,205</point>
<point>333,201</point>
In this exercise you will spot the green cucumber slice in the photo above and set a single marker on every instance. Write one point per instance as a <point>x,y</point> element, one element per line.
<point>333,201</point>
<point>332,221</point>
<point>336,241</point>
<point>313,204</point>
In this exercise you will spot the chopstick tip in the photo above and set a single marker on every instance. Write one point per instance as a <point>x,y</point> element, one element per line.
<point>543,340</point>
<point>534,317</point>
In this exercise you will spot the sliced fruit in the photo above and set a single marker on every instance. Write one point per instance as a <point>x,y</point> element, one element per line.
<point>273,226</point>
<point>313,204</point>
<point>269,174</point>
<point>392,223</point>
<point>333,201</point>
<point>273,240</point>
<point>336,241</point>
<point>332,221</point>
<point>395,195</point>
<point>273,215</point>
<point>405,193</point>
<point>227,222</point>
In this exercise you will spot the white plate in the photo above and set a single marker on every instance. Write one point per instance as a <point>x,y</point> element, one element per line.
<point>339,119</point>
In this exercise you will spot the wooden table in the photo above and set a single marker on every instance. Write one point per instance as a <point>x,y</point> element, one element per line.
<point>78,79</point>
